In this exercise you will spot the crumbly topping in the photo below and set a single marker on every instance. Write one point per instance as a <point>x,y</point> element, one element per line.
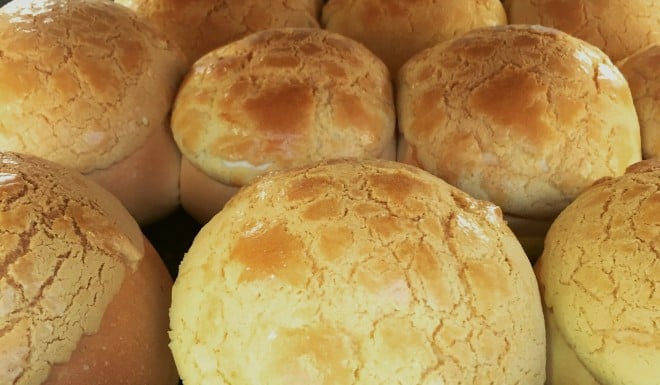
<point>283,98</point>
<point>523,116</point>
<point>64,247</point>
<point>600,276</point>
<point>100,83</point>
<point>357,273</point>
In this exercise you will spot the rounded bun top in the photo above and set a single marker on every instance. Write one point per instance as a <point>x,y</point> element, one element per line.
<point>65,244</point>
<point>618,27</point>
<point>600,272</point>
<point>523,116</point>
<point>282,98</point>
<point>642,70</point>
<point>366,272</point>
<point>203,25</point>
<point>82,83</point>
<point>395,30</point>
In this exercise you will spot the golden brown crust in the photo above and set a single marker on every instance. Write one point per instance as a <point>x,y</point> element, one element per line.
<point>200,26</point>
<point>395,30</point>
<point>99,85</point>
<point>357,272</point>
<point>59,235</point>
<point>618,27</point>
<point>599,274</point>
<point>642,70</point>
<point>523,116</point>
<point>130,346</point>
<point>283,98</point>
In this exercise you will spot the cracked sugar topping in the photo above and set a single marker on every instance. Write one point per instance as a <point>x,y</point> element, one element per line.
<point>357,272</point>
<point>600,275</point>
<point>283,98</point>
<point>100,83</point>
<point>522,116</point>
<point>65,245</point>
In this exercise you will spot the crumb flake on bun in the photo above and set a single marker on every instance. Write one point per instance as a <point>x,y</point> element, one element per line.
<point>85,84</point>
<point>642,71</point>
<point>618,27</point>
<point>523,116</point>
<point>357,272</point>
<point>395,30</point>
<point>83,295</point>
<point>201,26</point>
<point>277,99</point>
<point>599,275</point>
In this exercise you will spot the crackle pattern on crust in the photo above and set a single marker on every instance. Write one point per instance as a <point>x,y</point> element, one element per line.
<point>203,25</point>
<point>600,275</point>
<point>642,70</point>
<point>523,116</point>
<point>60,235</point>
<point>618,27</point>
<point>357,272</point>
<point>283,98</point>
<point>395,30</point>
<point>100,83</point>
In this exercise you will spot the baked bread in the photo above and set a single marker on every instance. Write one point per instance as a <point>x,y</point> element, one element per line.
<point>201,26</point>
<point>522,116</point>
<point>277,99</point>
<point>599,275</point>
<point>395,30</point>
<point>356,272</point>
<point>85,84</point>
<point>563,366</point>
<point>83,295</point>
<point>642,70</point>
<point>618,27</point>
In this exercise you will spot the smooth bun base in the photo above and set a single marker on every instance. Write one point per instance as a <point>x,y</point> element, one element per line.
<point>405,153</point>
<point>130,346</point>
<point>390,152</point>
<point>201,196</point>
<point>147,181</point>
<point>563,366</point>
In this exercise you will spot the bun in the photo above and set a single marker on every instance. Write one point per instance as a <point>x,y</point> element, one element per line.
<point>95,97</point>
<point>564,368</point>
<point>357,272</point>
<point>84,295</point>
<point>277,99</point>
<point>201,26</point>
<point>522,116</point>
<point>642,70</point>
<point>396,30</point>
<point>618,27</point>
<point>599,276</point>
